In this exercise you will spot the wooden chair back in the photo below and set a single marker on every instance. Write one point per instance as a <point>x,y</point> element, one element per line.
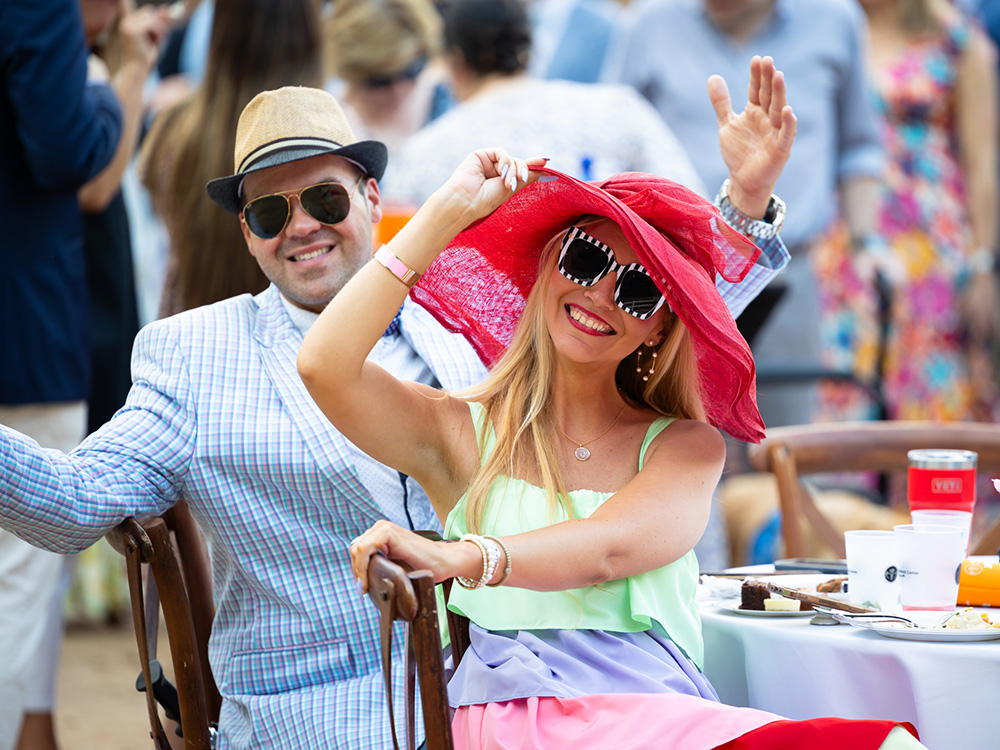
<point>408,596</point>
<point>794,452</point>
<point>174,551</point>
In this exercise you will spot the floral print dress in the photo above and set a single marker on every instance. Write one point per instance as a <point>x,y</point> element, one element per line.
<point>918,342</point>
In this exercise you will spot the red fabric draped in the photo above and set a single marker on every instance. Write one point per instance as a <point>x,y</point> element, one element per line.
<point>828,733</point>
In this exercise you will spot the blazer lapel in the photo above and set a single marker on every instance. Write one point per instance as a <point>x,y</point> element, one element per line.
<point>279,342</point>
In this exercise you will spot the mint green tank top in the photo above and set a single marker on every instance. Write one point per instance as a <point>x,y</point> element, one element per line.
<point>661,599</point>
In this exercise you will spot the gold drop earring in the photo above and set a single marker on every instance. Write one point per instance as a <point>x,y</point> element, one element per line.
<point>652,364</point>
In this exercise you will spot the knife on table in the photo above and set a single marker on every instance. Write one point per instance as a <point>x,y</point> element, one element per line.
<point>816,599</point>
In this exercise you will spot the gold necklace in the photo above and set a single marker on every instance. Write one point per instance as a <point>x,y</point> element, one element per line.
<point>581,453</point>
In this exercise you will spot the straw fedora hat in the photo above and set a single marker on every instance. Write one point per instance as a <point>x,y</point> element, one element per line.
<point>288,124</point>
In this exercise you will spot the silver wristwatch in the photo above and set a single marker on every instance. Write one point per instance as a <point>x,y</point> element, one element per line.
<point>765,229</point>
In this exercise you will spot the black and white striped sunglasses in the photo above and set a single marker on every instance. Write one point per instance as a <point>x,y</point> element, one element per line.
<point>586,260</point>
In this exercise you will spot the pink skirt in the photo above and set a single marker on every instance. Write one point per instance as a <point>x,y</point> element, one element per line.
<point>633,721</point>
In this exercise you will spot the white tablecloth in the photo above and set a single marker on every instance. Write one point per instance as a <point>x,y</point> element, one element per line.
<point>949,691</point>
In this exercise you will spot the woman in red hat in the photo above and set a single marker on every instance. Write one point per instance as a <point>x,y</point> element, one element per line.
<point>579,475</point>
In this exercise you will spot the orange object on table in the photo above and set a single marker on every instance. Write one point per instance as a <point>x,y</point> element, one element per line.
<point>979,583</point>
<point>394,218</point>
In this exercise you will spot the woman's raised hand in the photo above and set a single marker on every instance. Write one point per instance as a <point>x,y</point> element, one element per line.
<point>488,177</point>
<point>757,142</point>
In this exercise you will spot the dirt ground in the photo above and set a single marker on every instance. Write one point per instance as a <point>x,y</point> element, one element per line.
<point>97,706</point>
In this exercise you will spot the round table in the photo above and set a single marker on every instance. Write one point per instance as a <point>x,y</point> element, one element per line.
<point>949,691</point>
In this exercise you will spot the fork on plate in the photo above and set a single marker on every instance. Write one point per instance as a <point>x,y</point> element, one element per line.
<point>876,617</point>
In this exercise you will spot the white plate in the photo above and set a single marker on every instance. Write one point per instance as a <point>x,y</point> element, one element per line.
<point>735,609</point>
<point>903,632</point>
<point>806,581</point>
<point>929,634</point>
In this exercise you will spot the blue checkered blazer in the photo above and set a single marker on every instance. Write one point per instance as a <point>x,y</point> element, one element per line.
<point>218,415</point>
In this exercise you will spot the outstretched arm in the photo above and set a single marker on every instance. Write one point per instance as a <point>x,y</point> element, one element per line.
<point>410,427</point>
<point>757,142</point>
<point>654,520</point>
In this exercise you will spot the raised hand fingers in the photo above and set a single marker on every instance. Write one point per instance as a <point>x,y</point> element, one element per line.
<point>787,128</point>
<point>767,89</point>
<point>753,92</point>
<point>512,170</point>
<point>718,92</point>
<point>762,80</point>
<point>779,98</point>
<point>766,83</point>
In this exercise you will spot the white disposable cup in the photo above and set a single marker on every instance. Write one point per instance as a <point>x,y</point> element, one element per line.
<point>872,579</point>
<point>930,558</point>
<point>960,518</point>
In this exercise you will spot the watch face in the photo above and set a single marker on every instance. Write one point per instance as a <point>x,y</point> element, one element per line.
<point>772,211</point>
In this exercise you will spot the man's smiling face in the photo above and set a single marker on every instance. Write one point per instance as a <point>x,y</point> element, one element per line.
<point>310,261</point>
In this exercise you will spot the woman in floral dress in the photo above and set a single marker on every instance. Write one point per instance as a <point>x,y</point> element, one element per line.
<point>934,80</point>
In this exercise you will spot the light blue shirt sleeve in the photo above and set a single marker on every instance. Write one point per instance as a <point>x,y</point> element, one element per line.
<point>860,152</point>
<point>773,258</point>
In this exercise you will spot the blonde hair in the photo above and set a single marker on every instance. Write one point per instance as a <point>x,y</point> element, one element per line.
<point>373,38</point>
<point>517,395</point>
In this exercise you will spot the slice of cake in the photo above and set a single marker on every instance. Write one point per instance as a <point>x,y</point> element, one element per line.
<point>757,596</point>
<point>753,594</point>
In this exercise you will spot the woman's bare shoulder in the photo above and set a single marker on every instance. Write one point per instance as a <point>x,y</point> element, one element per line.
<point>691,437</point>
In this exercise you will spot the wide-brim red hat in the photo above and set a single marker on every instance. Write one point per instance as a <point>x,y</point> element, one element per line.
<point>479,283</point>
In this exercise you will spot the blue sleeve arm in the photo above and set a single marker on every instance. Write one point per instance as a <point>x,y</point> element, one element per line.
<point>68,129</point>
<point>135,465</point>
<point>861,152</point>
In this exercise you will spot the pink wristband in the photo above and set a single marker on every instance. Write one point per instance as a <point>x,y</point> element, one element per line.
<point>396,267</point>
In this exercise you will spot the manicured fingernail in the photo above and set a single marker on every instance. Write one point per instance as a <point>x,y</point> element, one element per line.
<point>503,172</point>
<point>524,173</point>
<point>360,586</point>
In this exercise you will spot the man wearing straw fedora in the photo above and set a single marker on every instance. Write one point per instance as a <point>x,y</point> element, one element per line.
<point>219,416</point>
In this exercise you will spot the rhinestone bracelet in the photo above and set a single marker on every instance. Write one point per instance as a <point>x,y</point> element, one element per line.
<point>491,557</point>
<point>506,554</point>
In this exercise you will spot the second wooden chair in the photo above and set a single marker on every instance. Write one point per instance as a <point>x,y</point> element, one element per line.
<point>794,452</point>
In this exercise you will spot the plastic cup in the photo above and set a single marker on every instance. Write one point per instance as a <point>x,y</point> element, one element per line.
<point>930,559</point>
<point>941,478</point>
<point>960,518</point>
<point>872,579</point>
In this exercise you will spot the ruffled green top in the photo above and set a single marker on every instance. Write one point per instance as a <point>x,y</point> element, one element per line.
<point>661,599</point>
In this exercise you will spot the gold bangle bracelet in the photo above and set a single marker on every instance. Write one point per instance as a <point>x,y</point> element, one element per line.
<point>506,556</point>
<point>468,583</point>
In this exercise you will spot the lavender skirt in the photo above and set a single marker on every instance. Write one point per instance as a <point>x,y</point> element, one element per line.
<point>507,665</point>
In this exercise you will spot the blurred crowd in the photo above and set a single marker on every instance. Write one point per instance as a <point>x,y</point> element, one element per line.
<point>889,308</point>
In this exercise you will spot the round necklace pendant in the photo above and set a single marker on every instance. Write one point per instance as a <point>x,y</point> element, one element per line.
<point>581,453</point>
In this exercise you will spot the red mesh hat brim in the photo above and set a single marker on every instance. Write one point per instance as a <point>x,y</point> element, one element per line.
<point>479,283</point>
